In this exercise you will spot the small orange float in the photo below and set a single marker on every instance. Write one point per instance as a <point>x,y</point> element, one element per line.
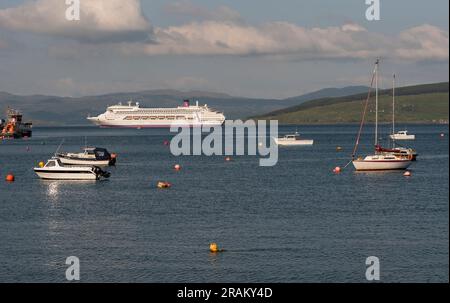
<point>10,178</point>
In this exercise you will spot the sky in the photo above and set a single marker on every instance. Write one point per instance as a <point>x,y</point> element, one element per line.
<point>248,48</point>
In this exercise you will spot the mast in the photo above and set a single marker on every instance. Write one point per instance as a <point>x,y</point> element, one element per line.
<point>393,109</point>
<point>376,101</point>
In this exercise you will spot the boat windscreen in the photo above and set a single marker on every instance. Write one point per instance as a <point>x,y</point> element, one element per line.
<point>101,154</point>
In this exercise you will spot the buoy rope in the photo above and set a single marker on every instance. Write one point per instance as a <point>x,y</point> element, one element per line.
<point>366,103</point>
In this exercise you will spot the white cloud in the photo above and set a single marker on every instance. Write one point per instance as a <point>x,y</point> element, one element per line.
<point>350,41</point>
<point>100,20</point>
<point>424,42</point>
<point>117,25</point>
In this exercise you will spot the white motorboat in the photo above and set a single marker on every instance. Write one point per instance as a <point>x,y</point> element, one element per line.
<point>293,140</point>
<point>90,156</point>
<point>55,170</point>
<point>381,160</point>
<point>402,135</point>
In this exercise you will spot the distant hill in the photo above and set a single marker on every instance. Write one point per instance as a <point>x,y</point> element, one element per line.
<point>330,92</point>
<point>54,110</point>
<point>428,103</point>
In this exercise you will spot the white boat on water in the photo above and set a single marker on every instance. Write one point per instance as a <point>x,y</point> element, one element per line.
<point>55,170</point>
<point>381,160</point>
<point>134,116</point>
<point>90,156</point>
<point>402,135</point>
<point>293,140</point>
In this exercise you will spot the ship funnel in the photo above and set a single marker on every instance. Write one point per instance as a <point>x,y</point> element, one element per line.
<point>186,103</point>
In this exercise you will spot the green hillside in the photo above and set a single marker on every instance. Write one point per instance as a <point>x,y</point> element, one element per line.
<point>415,104</point>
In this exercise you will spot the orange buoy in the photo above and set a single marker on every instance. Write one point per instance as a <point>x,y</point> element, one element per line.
<point>337,170</point>
<point>338,148</point>
<point>214,248</point>
<point>177,167</point>
<point>113,156</point>
<point>407,173</point>
<point>227,159</point>
<point>10,178</point>
<point>164,184</point>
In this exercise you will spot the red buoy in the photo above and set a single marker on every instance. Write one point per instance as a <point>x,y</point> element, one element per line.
<point>177,167</point>
<point>228,159</point>
<point>10,178</point>
<point>337,170</point>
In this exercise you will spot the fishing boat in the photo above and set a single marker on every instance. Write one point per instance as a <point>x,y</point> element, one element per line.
<point>13,127</point>
<point>55,170</point>
<point>379,160</point>
<point>293,140</point>
<point>402,135</point>
<point>90,156</point>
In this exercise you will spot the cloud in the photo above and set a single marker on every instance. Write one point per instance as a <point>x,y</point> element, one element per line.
<point>186,8</point>
<point>350,41</point>
<point>425,42</point>
<point>100,20</point>
<point>115,25</point>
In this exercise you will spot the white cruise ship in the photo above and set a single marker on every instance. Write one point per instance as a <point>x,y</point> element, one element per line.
<point>134,116</point>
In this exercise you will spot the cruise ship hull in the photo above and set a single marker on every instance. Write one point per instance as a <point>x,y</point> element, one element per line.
<point>152,124</point>
<point>133,116</point>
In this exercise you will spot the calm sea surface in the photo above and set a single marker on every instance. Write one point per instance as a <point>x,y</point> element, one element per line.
<point>294,222</point>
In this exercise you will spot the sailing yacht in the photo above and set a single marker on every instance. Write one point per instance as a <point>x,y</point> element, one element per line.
<point>379,160</point>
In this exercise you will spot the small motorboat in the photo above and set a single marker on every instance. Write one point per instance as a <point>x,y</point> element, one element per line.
<point>402,135</point>
<point>90,156</point>
<point>55,170</point>
<point>293,140</point>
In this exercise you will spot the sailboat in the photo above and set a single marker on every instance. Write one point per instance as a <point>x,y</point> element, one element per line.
<point>379,160</point>
<point>397,150</point>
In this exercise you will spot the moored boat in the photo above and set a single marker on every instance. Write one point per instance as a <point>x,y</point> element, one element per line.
<point>402,135</point>
<point>293,140</point>
<point>381,159</point>
<point>55,170</point>
<point>90,156</point>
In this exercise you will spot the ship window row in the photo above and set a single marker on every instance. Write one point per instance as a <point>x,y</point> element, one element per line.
<point>157,118</point>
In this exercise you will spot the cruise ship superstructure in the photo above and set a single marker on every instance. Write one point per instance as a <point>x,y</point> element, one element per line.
<point>133,116</point>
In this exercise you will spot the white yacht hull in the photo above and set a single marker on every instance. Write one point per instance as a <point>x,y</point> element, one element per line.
<point>293,143</point>
<point>402,137</point>
<point>367,165</point>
